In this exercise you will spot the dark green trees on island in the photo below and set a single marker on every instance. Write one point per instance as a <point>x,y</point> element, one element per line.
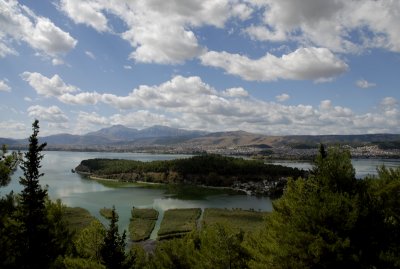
<point>326,219</point>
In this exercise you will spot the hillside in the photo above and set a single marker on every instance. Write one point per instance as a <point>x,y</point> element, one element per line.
<point>119,137</point>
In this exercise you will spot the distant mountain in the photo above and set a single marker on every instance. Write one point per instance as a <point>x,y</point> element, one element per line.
<point>119,135</point>
<point>164,131</point>
<point>116,133</point>
<point>235,138</point>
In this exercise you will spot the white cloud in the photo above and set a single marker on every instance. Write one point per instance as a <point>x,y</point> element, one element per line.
<point>50,114</point>
<point>92,118</point>
<point>188,102</point>
<point>389,101</point>
<point>364,84</point>
<point>90,55</point>
<point>303,64</point>
<point>158,31</point>
<point>27,99</point>
<point>14,129</point>
<point>127,67</point>
<point>141,119</point>
<point>57,61</point>
<point>86,12</point>
<point>330,24</point>
<point>19,23</point>
<point>282,97</point>
<point>53,86</point>
<point>84,98</point>
<point>4,86</point>
<point>235,92</point>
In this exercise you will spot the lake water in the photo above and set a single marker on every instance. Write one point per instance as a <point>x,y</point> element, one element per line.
<point>77,191</point>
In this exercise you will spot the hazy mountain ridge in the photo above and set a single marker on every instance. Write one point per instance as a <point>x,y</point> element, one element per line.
<point>119,135</point>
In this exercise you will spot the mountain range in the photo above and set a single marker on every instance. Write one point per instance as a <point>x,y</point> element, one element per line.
<point>119,135</point>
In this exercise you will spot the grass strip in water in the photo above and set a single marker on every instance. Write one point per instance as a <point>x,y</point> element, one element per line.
<point>178,221</point>
<point>107,213</point>
<point>77,219</point>
<point>246,220</point>
<point>142,223</point>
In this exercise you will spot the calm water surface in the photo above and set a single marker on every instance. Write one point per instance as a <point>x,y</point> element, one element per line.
<point>75,190</point>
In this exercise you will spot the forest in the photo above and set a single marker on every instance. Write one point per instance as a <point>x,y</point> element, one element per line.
<point>327,219</point>
<point>206,169</point>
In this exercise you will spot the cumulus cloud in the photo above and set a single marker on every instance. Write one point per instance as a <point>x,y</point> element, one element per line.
<point>364,84</point>
<point>317,64</point>
<point>142,119</point>
<point>14,129</point>
<point>19,23</point>
<point>146,21</point>
<point>330,24</point>
<point>49,87</point>
<point>50,114</point>
<point>4,86</point>
<point>282,97</point>
<point>189,102</point>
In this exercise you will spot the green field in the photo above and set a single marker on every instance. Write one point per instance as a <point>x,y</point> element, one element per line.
<point>177,222</point>
<point>237,218</point>
<point>107,212</point>
<point>77,218</point>
<point>142,223</point>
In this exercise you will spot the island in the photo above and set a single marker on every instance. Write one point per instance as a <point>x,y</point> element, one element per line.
<point>251,176</point>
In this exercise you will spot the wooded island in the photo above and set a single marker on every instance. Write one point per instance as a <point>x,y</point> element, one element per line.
<point>254,177</point>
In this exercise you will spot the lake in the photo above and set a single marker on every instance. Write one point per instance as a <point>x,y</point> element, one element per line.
<point>77,191</point>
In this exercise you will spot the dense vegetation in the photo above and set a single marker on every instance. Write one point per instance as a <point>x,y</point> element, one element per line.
<point>208,169</point>
<point>327,220</point>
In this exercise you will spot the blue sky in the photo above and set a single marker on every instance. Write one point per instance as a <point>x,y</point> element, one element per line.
<point>275,67</point>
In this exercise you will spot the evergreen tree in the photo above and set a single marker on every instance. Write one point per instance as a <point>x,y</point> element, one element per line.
<point>313,224</point>
<point>36,241</point>
<point>113,249</point>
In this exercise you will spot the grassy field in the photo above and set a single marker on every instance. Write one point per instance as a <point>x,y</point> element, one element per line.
<point>177,222</point>
<point>237,218</point>
<point>107,212</point>
<point>142,223</point>
<point>77,218</point>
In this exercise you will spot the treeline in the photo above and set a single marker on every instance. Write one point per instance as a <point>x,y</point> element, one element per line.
<point>209,169</point>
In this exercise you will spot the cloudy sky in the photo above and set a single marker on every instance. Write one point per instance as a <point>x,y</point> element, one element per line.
<point>264,66</point>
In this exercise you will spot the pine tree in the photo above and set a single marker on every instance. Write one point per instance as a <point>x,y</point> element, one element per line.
<point>35,234</point>
<point>113,249</point>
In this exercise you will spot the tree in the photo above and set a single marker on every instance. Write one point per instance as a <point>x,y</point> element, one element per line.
<point>37,245</point>
<point>90,240</point>
<point>313,224</point>
<point>113,248</point>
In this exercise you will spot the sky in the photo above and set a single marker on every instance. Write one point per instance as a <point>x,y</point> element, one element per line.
<point>275,67</point>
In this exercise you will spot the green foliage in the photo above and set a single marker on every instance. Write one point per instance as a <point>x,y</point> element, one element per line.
<point>112,250</point>
<point>89,241</point>
<point>214,246</point>
<point>246,220</point>
<point>36,228</point>
<point>142,223</point>
<point>177,222</point>
<point>77,219</point>
<point>208,169</point>
<point>80,263</point>
<point>331,220</point>
<point>107,212</point>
